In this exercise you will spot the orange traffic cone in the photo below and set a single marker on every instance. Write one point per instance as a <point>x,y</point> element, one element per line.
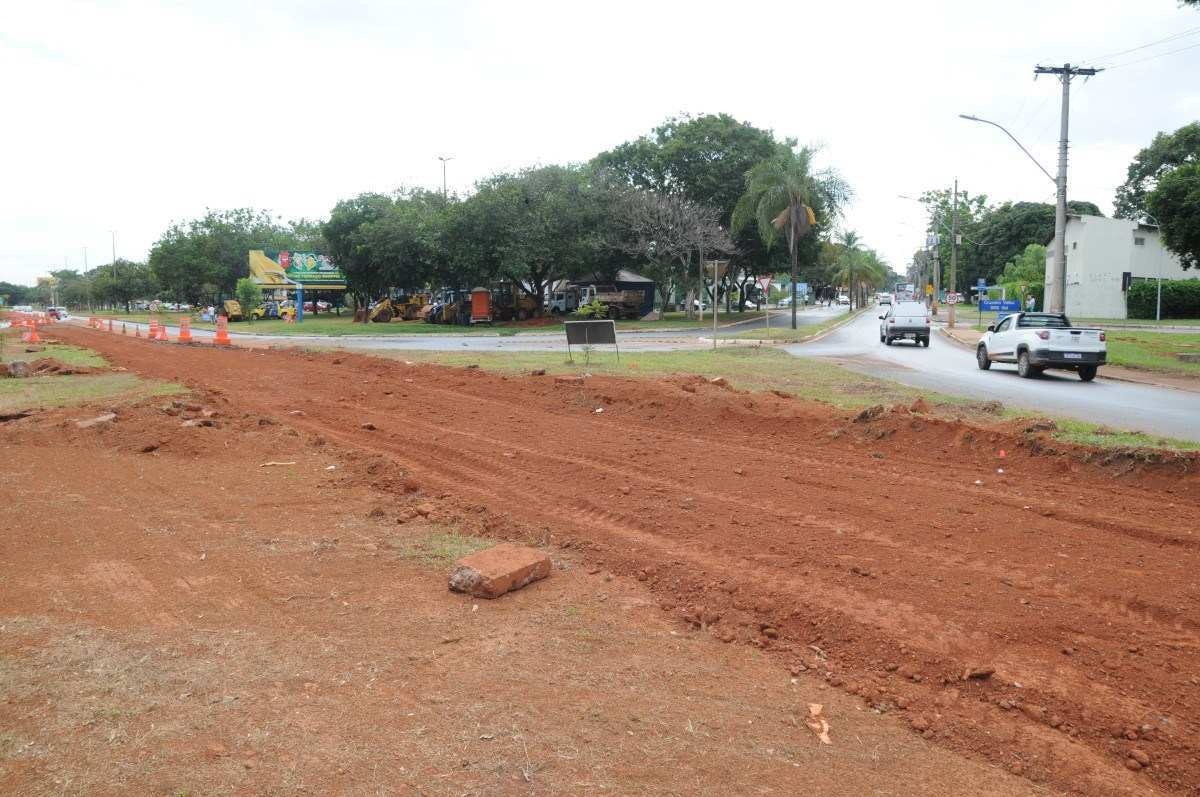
<point>110,325</point>
<point>153,335</point>
<point>162,332</point>
<point>185,329</point>
<point>222,338</point>
<point>33,335</point>
<point>123,331</point>
<point>137,331</point>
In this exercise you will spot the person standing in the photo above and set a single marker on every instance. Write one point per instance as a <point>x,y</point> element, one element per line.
<point>1030,303</point>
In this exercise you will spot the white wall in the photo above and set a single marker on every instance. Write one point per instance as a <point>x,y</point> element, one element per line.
<point>1098,251</point>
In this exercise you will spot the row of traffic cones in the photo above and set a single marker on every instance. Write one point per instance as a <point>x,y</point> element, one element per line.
<point>158,331</point>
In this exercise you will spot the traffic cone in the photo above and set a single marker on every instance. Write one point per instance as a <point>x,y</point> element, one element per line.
<point>123,332</point>
<point>153,335</point>
<point>162,333</point>
<point>185,329</point>
<point>222,338</point>
<point>33,335</point>
<point>110,325</point>
<point>137,331</point>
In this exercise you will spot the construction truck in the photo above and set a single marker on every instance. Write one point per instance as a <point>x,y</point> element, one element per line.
<point>510,303</point>
<point>233,309</point>
<point>448,306</point>
<point>398,306</point>
<point>562,302</point>
<point>620,304</point>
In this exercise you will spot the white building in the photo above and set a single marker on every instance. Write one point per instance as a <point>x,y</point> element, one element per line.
<point>1099,252</point>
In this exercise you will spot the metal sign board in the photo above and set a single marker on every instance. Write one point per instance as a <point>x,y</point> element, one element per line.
<point>765,284</point>
<point>592,333</point>
<point>1000,305</point>
<point>802,288</point>
<point>952,298</point>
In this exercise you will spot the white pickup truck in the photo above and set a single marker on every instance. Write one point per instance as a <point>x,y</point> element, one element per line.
<point>1037,341</point>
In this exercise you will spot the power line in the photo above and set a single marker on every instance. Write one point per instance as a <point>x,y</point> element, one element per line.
<point>1172,37</point>
<point>1152,57</point>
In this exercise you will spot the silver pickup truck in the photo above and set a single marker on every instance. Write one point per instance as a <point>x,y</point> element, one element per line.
<point>1037,341</point>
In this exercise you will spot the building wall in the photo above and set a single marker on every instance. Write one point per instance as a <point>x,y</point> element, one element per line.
<point>1099,250</point>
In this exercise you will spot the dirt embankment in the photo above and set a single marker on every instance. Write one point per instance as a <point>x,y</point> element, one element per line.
<point>1035,609</point>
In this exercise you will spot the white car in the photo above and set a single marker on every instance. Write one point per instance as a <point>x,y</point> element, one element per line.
<point>905,321</point>
<point>1037,341</point>
<point>843,299</point>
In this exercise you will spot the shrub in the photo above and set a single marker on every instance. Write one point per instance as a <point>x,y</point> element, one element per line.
<point>1180,298</point>
<point>592,310</point>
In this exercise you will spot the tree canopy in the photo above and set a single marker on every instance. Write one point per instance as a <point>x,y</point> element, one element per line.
<point>1166,152</point>
<point>1175,203</point>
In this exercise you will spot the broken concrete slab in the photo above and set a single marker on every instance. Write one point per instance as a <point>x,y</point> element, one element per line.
<point>499,569</point>
<point>107,417</point>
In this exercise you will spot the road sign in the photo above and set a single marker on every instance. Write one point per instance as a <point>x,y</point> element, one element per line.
<point>999,305</point>
<point>765,283</point>
<point>802,288</point>
<point>981,283</point>
<point>952,298</point>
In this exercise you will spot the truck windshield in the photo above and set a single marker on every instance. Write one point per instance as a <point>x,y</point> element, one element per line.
<point>1044,321</point>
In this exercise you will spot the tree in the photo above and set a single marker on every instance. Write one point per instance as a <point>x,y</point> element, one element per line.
<point>343,232</point>
<point>249,295</point>
<point>190,258</point>
<point>1030,267</point>
<point>1166,152</point>
<point>704,158</point>
<point>120,286</point>
<point>669,231</point>
<point>1175,203</point>
<point>785,197</point>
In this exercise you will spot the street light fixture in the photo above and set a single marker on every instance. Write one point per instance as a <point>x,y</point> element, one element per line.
<point>1057,298</point>
<point>444,159</point>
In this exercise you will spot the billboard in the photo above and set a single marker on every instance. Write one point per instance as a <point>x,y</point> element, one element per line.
<point>312,270</point>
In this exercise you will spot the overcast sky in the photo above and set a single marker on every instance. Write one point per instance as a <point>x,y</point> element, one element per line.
<point>127,116</point>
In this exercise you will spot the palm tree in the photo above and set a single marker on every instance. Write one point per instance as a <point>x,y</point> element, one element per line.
<point>849,242</point>
<point>783,195</point>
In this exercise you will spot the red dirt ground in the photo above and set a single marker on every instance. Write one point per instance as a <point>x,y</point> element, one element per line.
<point>843,547</point>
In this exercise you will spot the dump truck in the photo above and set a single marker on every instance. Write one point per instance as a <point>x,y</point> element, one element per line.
<point>510,303</point>
<point>620,304</point>
<point>233,309</point>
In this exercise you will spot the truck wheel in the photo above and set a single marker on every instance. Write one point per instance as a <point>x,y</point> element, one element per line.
<point>981,358</point>
<point>1087,373</point>
<point>383,317</point>
<point>1024,369</point>
<point>925,342</point>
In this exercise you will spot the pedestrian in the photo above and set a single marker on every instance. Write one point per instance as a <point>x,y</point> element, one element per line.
<point>1030,304</point>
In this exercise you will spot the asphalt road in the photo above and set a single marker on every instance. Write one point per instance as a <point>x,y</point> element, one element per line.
<point>948,367</point>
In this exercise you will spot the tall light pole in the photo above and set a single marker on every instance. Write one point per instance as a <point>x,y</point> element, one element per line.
<point>1158,302</point>
<point>1056,294</point>
<point>113,233</point>
<point>444,159</point>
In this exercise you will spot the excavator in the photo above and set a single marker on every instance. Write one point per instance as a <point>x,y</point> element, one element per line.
<point>398,307</point>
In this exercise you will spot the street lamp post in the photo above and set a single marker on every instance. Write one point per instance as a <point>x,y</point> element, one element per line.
<point>444,159</point>
<point>1158,301</point>
<point>1056,300</point>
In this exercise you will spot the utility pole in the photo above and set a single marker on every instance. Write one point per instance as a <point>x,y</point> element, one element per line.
<point>1056,293</point>
<point>953,250</point>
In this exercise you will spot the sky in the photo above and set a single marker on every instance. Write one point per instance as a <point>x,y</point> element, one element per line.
<point>120,118</point>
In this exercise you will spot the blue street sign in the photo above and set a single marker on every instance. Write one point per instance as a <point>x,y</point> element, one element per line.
<point>1000,305</point>
<point>802,288</point>
<point>981,283</point>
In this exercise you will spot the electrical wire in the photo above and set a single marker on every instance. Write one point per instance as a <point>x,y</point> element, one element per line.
<point>1152,57</point>
<point>1173,37</point>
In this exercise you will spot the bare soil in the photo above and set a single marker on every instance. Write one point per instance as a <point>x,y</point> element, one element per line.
<point>1039,619</point>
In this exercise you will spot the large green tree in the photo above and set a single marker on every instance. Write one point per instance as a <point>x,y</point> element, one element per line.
<point>1166,152</point>
<point>704,158</point>
<point>194,259</point>
<point>1175,203</point>
<point>344,234</point>
<point>787,199</point>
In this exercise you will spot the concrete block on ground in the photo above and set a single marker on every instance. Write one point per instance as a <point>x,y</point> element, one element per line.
<point>499,569</point>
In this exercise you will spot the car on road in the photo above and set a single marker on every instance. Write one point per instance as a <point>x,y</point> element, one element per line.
<point>1037,341</point>
<point>786,301</point>
<point>905,321</point>
<point>884,298</point>
<point>58,313</point>
<point>843,299</point>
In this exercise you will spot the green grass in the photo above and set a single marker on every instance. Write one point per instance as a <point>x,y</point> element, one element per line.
<point>1154,351</point>
<point>71,355</point>
<point>441,548</point>
<point>17,395</point>
<point>1137,322</point>
<point>1089,434</point>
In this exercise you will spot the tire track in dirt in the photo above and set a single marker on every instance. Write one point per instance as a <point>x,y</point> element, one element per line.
<point>931,604</point>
